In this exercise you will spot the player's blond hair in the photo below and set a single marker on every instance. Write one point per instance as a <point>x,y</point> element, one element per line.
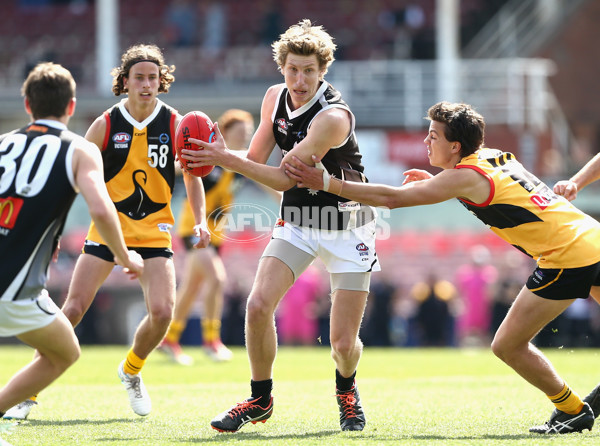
<point>142,53</point>
<point>304,39</point>
<point>233,116</point>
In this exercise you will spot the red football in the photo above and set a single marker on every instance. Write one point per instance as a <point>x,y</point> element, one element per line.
<point>195,124</point>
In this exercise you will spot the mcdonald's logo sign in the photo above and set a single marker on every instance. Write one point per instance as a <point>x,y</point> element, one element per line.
<point>9,210</point>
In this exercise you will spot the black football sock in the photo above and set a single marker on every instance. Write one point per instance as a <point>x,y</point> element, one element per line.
<point>344,384</point>
<point>262,390</point>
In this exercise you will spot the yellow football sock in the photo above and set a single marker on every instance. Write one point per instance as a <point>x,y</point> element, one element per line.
<point>211,330</point>
<point>567,401</point>
<point>133,363</point>
<point>175,330</point>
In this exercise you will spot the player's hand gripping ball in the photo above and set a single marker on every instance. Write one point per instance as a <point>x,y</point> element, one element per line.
<point>195,124</point>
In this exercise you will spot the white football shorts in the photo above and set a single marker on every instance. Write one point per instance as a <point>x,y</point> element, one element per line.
<point>346,251</point>
<point>21,316</point>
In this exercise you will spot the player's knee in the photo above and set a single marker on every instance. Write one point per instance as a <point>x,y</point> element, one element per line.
<point>499,348</point>
<point>73,355</point>
<point>65,359</point>
<point>257,310</point>
<point>161,314</point>
<point>343,347</point>
<point>74,311</point>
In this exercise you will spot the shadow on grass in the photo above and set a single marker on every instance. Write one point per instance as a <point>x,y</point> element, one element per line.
<point>34,423</point>
<point>347,437</point>
<point>240,436</point>
<point>524,436</point>
<point>360,437</point>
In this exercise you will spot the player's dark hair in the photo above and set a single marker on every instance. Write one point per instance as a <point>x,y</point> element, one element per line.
<point>463,124</point>
<point>49,88</point>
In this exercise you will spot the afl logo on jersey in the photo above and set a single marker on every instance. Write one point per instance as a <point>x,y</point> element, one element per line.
<point>121,140</point>
<point>282,125</point>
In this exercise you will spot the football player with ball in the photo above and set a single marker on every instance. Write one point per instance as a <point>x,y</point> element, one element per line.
<point>303,116</point>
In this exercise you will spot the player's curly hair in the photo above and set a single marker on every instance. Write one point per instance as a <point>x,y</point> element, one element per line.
<point>463,124</point>
<point>304,39</point>
<point>142,53</point>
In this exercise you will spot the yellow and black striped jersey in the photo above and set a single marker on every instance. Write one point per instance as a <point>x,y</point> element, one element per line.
<point>526,213</point>
<point>139,171</point>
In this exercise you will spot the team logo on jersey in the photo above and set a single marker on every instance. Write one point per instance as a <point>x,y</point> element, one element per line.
<point>282,125</point>
<point>138,205</point>
<point>164,227</point>
<point>347,206</point>
<point>163,138</point>
<point>121,140</point>
<point>300,136</point>
<point>539,200</point>
<point>9,211</point>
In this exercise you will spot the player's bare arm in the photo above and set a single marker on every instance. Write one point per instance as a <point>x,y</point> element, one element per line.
<point>195,195</point>
<point>329,129</point>
<point>425,189</point>
<point>586,175</point>
<point>253,167</point>
<point>97,131</point>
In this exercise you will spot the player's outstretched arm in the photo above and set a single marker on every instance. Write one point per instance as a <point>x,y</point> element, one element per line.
<point>422,189</point>
<point>328,129</point>
<point>586,175</point>
<point>316,178</point>
<point>217,154</point>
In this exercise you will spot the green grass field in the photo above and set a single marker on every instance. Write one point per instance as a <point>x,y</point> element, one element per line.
<point>411,397</point>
